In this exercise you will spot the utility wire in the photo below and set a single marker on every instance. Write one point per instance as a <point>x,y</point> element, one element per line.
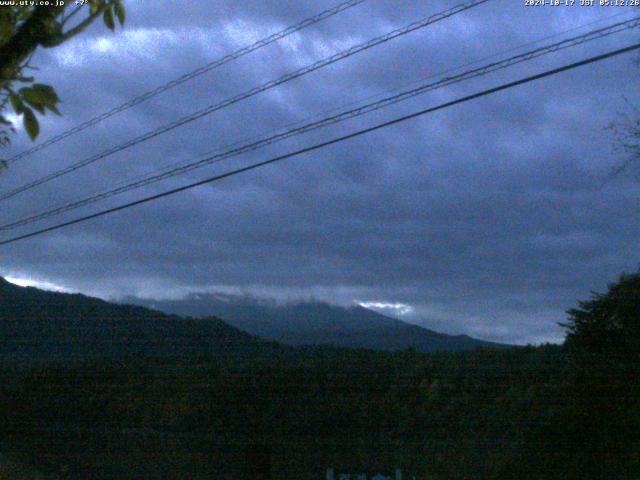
<point>189,76</point>
<point>254,91</point>
<point>333,141</point>
<point>380,94</point>
<point>361,100</point>
<point>362,110</point>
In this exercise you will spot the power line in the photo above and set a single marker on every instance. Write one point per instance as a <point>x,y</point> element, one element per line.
<point>254,91</point>
<point>380,94</point>
<point>333,141</point>
<point>191,75</point>
<point>362,110</point>
<point>361,100</point>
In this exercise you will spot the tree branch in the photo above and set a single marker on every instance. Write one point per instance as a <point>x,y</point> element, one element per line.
<point>70,16</point>
<point>63,37</point>
<point>31,33</point>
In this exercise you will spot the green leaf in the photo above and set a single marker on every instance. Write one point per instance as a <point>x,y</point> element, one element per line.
<point>7,24</point>
<point>32,99</point>
<point>54,109</point>
<point>29,95</point>
<point>47,92</point>
<point>38,107</point>
<point>120,12</point>
<point>39,94</point>
<point>31,124</point>
<point>108,19</point>
<point>24,12</point>
<point>16,103</point>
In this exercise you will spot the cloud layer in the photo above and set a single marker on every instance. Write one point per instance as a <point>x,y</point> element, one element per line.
<point>489,218</point>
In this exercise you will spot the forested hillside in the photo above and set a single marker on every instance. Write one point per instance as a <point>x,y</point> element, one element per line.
<point>464,415</point>
<point>549,412</point>
<point>36,325</point>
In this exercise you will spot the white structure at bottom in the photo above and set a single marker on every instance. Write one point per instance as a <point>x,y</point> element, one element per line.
<point>362,476</point>
<point>379,476</point>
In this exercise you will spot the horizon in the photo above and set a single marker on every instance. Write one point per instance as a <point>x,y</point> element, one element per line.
<point>293,239</point>
<point>490,218</point>
<point>400,312</point>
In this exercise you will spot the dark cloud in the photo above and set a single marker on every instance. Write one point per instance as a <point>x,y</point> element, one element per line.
<point>489,218</point>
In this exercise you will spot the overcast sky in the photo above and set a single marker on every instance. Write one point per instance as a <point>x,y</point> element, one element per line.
<point>490,218</point>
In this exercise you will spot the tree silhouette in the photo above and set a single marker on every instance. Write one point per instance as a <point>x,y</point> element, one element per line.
<point>25,28</point>
<point>603,340</point>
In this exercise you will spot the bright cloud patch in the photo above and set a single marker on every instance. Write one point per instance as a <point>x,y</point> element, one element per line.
<point>32,282</point>
<point>135,43</point>
<point>395,308</point>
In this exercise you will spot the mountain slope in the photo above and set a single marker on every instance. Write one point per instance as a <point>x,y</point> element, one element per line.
<point>315,323</point>
<point>44,326</point>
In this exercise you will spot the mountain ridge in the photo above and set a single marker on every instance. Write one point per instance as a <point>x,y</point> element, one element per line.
<point>315,323</point>
<point>38,325</point>
<point>44,326</point>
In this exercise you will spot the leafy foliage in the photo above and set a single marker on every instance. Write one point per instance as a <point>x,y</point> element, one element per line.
<point>604,344</point>
<point>608,325</point>
<point>24,28</point>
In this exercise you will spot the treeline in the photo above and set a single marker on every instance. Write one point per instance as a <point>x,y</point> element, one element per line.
<point>463,415</point>
<point>550,412</point>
